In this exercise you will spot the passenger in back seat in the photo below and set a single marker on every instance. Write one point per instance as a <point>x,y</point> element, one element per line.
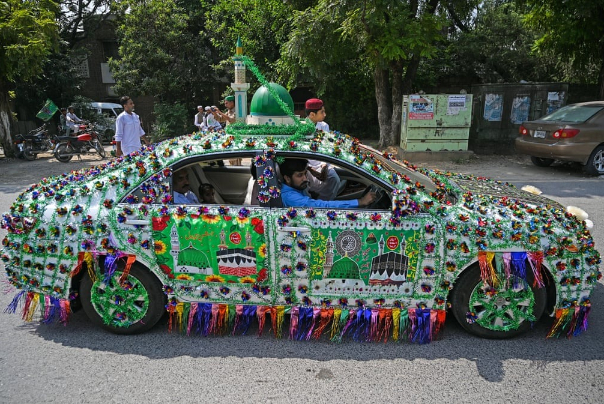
<point>206,193</point>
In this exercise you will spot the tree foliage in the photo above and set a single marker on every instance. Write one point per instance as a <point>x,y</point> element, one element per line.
<point>28,34</point>
<point>388,38</point>
<point>495,47</point>
<point>572,30</point>
<point>164,49</point>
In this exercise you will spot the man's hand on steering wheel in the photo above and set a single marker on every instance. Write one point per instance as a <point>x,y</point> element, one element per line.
<point>367,199</point>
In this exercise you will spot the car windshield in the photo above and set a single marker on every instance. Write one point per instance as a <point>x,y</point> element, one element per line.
<point>415,176</point>
<point>573,113</point>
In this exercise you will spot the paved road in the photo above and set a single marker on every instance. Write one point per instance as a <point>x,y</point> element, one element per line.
<point>80,363</point>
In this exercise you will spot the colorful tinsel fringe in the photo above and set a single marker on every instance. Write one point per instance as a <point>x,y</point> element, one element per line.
<point>494,267</point>
<point>366,325</point>
<point>572,320</point>
<point>51,308</point>
<point>306,323</point>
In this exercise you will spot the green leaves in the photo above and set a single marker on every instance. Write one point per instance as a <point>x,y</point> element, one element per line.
<point>28,34</point>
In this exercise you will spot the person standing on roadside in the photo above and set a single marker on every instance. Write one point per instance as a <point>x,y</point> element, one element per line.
<point>128,129</point>
<point>200,118</point>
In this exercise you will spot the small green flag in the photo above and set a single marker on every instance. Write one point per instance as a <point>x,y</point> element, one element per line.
<point>47,111</point>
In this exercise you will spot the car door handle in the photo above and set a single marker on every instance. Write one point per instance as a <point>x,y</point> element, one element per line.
<point>293,228</point>
<point>135,222</point>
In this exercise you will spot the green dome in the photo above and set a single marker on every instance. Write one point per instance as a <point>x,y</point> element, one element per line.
<point>192,257</point>
<point>263,103</point>
<point>345,269</point>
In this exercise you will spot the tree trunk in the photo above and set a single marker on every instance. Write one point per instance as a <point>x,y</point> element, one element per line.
<point>382,97</point>
<point>6,119</point>
<point>397,101</point>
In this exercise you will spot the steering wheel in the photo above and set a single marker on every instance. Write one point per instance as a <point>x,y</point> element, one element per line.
<point>380,197</point>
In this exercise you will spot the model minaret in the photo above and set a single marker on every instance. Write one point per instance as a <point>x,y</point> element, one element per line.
<point>328,256</point>
<point>240,86</point>
<point>174,245</point>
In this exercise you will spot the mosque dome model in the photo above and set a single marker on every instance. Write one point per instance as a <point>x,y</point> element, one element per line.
<point>345,268</point>
<point>192,261</point>
<point>265,110</point>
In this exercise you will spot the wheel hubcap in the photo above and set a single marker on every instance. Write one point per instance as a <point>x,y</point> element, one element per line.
<point>599,161</point>
<point>502,308</point>
<point>120,305</point>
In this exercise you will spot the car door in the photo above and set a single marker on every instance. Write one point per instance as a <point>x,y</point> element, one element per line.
<point>357,257</point>
<point>214,254</point>
<point>354,258</point>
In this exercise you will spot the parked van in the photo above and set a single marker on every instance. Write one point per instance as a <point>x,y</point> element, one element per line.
<point>109,111</point>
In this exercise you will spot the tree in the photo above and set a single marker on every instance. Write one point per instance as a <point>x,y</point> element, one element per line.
<point>262,27</point>
<point>164,50</point>
<point>572,30</point>
<point>493,46</point>
<point>389,37</point>
<point>28,34</point>
<point>77,21</point>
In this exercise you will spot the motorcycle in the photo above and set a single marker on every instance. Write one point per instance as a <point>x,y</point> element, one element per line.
<point>84,141</point>
<point>35,142</point>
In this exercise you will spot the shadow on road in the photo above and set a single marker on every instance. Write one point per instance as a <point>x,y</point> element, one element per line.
<point>488,355</point>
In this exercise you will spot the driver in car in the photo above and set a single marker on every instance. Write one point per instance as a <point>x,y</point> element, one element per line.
<point>182,188</point>
<point>294,189</point>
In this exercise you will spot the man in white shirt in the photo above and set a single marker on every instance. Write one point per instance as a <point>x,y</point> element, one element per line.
<point>72,120</point>
<point>211,119</point>
<point>200,118</point>
<point>128,129</point>
<point>182,188</point>
<point>323,179</point>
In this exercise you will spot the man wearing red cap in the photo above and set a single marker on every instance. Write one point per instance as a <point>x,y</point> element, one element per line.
<point>324,181</point>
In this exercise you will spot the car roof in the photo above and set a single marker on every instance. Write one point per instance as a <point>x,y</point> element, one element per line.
<point>589,104</point>
<point>105,105</point>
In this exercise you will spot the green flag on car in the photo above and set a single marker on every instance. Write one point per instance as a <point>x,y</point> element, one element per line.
<point>47,111</point>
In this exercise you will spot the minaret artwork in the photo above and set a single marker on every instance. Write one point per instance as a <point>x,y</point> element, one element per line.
<point>174,245</point>
<point>329,252</point>
<point>240,86</point>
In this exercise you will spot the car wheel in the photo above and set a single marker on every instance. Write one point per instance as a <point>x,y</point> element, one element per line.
<point>496,312</point>
<point>63,153</point>
<point>129,308</point>
<point>595,164</point>
<point>539,162</point>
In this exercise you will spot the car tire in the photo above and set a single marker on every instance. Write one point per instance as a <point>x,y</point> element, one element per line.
<point>595,163</point>
<point>541,162</point>
<point>62,153</point>
<point>485,319</point>
<point>130,309</point>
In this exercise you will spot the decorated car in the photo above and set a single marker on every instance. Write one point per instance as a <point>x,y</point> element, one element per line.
<point>494,256</point>
<point>118,239</point>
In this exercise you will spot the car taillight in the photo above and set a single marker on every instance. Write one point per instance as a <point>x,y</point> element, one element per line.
<point>523,131</point>
<point>565,133</point>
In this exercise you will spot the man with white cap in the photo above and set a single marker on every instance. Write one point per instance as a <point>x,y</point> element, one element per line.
<point>200,118</point>
<point>323,179</point>
<point>211,120</point>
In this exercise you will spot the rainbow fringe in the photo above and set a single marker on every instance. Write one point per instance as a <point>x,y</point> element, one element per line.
<point>419,325</point>
<point>51,309</point>
<point>572,321</point>
<point>365,325</point>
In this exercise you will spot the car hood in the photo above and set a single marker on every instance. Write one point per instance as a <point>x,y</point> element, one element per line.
<point>499,189</point>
